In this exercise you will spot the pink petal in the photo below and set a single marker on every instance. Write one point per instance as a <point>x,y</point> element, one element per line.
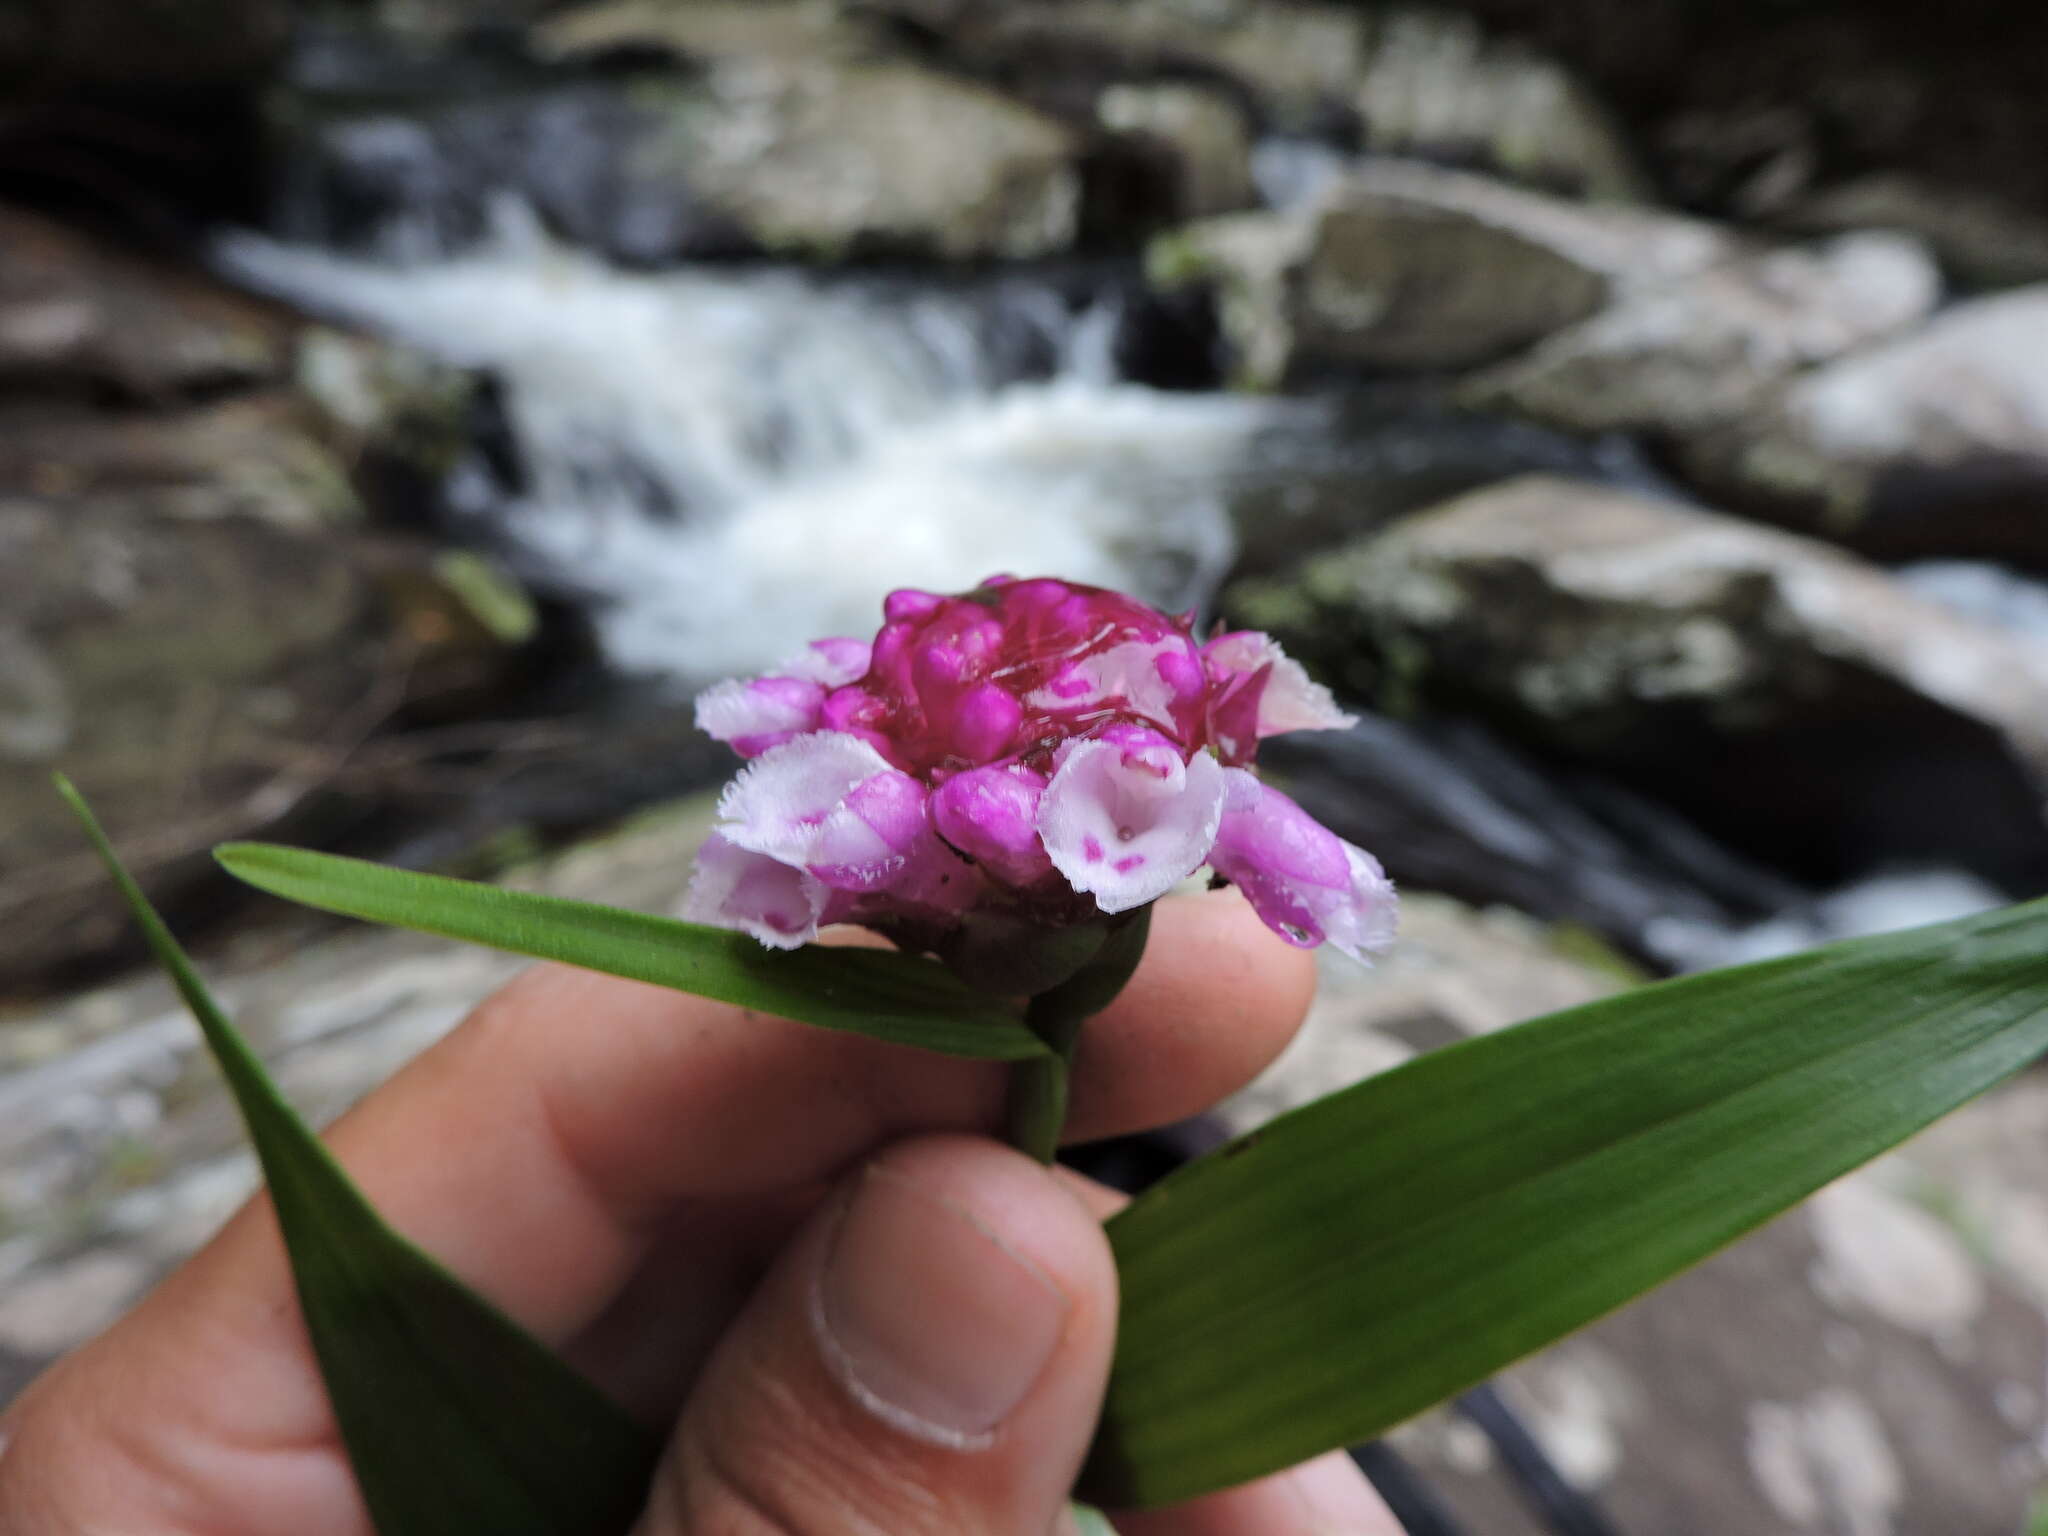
<point>864,844</point>
<point>1290,699</point>
<point>753,715</point>
<point>1307,883</point>
<point>991,815</point>
<point>1126,820</point>
<point>753,893</point>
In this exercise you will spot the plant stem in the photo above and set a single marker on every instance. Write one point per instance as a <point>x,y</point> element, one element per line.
<point>1038,1087</point>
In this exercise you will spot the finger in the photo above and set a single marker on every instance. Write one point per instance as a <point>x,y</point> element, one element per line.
<point>1325,1497</point>
<point>929,1356</point>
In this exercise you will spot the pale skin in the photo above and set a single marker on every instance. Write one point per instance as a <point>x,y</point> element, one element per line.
<point>660,1187</point>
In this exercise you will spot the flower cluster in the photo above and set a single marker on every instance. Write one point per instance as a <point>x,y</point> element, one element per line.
<point>1048,751</point>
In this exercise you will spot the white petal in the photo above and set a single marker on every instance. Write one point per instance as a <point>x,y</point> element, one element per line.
<point>1124,832</point>
<point>745,709</point>
<point>780,800</point>
<point>750,892</point>
<point>1292,700</point>
<point>829,663</point>
<point>1364,921</point>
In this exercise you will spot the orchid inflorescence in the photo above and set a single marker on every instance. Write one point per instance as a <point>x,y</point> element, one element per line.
<point>1036,751</point>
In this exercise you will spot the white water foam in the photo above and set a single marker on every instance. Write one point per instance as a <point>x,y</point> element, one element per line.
<point>729,462</point>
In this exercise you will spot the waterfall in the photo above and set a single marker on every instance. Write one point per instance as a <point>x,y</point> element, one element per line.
<point>725,462</point>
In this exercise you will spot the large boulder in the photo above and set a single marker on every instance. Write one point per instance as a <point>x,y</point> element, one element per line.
<point>1437,85</point>
<point>1299,62</point>
<point>1404,80</point>
<point>1406,266</point>
<point>1697,351</point>
<point>1982,240</point>
<point>200,679</point>
<point>798,155</point>
<point>75,315</point>
<point>1795,702</point>
<point>1933,444</point>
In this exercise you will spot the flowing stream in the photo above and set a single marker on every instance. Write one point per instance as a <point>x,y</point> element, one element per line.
<point>725,463</point>
<point>718,463</point>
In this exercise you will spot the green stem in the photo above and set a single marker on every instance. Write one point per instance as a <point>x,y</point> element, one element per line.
<point>1038,1087</point>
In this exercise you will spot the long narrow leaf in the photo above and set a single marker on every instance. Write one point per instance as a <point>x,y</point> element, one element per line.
<point>1362,1258</point>
<point>870,992</point>
<point>454,1418</point>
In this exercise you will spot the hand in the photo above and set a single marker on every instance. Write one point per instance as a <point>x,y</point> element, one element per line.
<point>793,1247</point>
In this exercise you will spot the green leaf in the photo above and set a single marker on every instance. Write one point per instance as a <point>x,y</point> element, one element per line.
<point>1336,1272</point>
<point>890,996</point>
<point>455,1419</point>
<point>1089,1521</point>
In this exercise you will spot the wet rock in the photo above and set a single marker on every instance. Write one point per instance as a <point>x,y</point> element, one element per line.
<point>1928,445</point>
<point>829,160</point>
<point>75,315</point>
<point>199,679</point>
<point>1696,657</point>
<point>1299,62</point>
<point>702,30</point>
<point>260,456</point>
<point>1696,352</point>
<point>1982,240</point>
<point>1448,806</point>
<point>806,156</point>
<point>1403,266</point>
<point>1402,80</point>
<point>1437,86</point>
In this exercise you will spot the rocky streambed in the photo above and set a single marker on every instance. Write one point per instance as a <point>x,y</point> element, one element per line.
<point>1664,476</point>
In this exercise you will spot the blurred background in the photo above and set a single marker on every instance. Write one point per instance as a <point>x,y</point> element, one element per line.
<point>1640,406</point>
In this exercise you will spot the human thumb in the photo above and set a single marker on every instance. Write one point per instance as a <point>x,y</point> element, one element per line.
<point>928,1355</point>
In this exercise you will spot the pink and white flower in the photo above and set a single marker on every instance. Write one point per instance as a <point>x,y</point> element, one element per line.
<point>1054,751</point>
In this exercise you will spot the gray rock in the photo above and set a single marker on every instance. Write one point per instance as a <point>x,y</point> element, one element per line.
<point>1698,351</point>
<point>827,159</point>
<point>702,29</point>
<point>1437,86</point>
<point>1695,655</point>
<point>1982,240</point>
<point>74,315</point>
<point>815,156</point>
<point>261,456</point>
<point>1419,81</point>
<point>1930,444</point>
<point>1403,265</point>
<point>1298,60</point>
<point>200,678</point>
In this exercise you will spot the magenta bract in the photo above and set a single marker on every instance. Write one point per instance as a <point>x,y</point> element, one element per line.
<point>1051,750</point>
